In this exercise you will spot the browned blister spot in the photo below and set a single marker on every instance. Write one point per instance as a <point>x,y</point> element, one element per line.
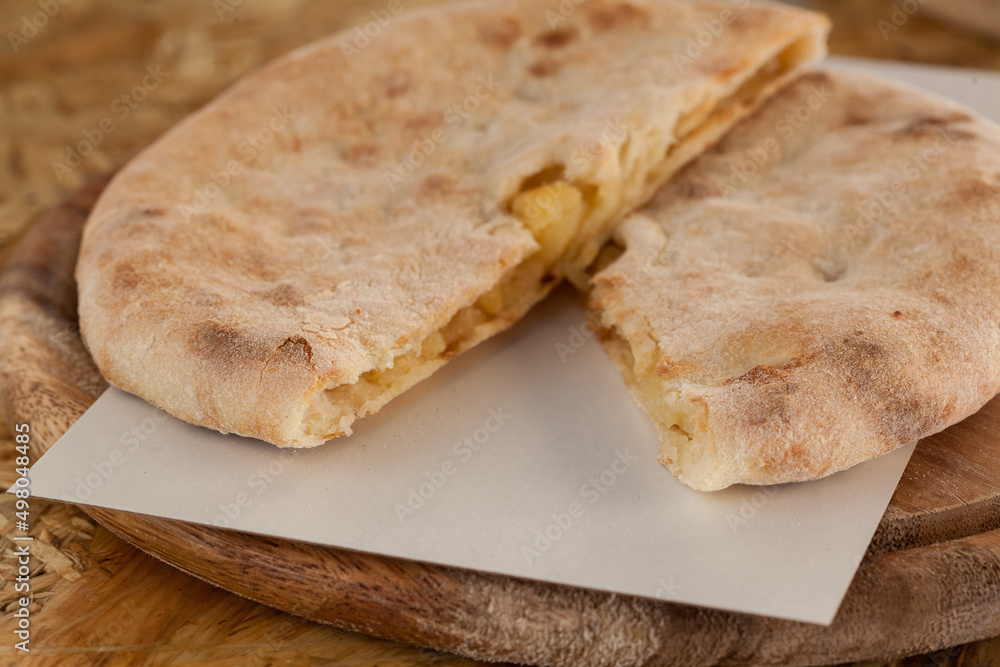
<point>856,117</point>
<point>437,185</point>
<point>544,67</point>
<point>422,123</point>
<point>227,346</point>
<point>908,416</point>
<point>206,300</point>
<point>949,411</point>
<point>124,277</point>
<point>618,15</point>
<point>793,457</point>
<point>972,192</point>
<point>862,356</point>
<point>602,334</point>
<point>554,39</point>
<point>363,155</point>
<point>892,403</point>
<point>740,22</point>
<point>500,34</point>
<point>770,405</point>
<point>817,78</point>
<point>283,295</point>
<point>397,84</point>
<point>758,375</point>
<point>670,368</point>
<point>766,395</point>
<point>798,361</point>
<point>257,263</point>
<point>296,351</point>
<point>932,125</point>
<point>691,188</point>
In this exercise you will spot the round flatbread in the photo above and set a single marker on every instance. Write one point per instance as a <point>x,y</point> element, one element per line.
<point>818,289</point>
<point>339,224</point>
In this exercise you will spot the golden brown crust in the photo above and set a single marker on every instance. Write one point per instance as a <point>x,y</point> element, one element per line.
<point>322,218</point>
<point>819,288</point>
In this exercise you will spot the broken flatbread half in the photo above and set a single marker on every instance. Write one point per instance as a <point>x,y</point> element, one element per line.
<point>340,223</point>
<point>819,288</point>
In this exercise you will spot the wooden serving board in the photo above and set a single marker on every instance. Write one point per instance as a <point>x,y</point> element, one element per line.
<point>931,578</point>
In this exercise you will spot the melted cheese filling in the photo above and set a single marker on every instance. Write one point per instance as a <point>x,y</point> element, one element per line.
<point>553,214</point>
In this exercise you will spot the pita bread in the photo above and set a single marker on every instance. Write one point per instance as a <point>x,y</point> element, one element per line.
<point>818,289</point>
<point>339,224</point>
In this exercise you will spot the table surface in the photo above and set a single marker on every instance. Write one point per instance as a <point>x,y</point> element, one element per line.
<point>98,600</point>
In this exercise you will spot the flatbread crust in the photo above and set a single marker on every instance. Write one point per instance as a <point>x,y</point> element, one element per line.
<point>339,224</point>
<point>816,290</point>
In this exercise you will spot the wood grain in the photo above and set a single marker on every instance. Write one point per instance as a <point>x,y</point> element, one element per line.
<point>949,490</point>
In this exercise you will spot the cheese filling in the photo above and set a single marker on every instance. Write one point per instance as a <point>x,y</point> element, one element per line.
<point>553,214</point>
<point>334,409</point>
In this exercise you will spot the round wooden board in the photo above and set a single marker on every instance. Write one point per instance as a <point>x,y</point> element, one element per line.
<point>931,578</point>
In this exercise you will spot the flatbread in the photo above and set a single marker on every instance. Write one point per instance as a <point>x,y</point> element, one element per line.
<point>339,224</point>
<point>818,289</point>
